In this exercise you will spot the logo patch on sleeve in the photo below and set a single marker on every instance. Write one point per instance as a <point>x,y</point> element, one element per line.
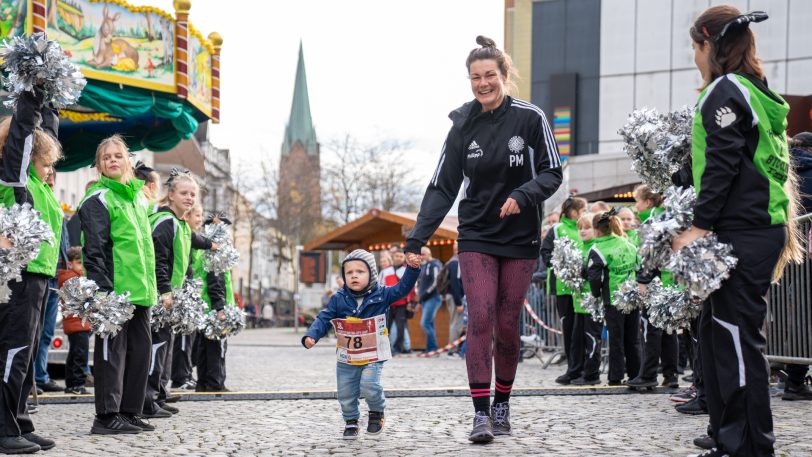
<point>725,116</point>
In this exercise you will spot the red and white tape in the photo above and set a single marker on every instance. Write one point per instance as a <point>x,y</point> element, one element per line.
<point>539,321</point>
<point>445,348</point>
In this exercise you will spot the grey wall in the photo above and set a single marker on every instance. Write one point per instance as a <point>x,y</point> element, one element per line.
<point>566,39</point>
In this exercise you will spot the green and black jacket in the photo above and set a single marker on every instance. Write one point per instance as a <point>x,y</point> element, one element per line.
<point>19,182</point>
<point>740,156</point>
<point>611,260</point>
<point>173,241</point>
<point>117,245</point>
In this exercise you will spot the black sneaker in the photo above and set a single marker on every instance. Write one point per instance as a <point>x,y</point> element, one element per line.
<point>500,415</point>
<point>793,393</point>
<point>157,413</point>
<point>351,430</point>
<point>76,390</point>
<point>138,422</point>
<point>641,383</point>
<point>17,445</point>
<point>483,428</point>
<point>172,398</point>
<point>685,396</point>
<point>564,379</point>
<point>671,381</point>
<point>689,378</point>
<point>50,386</point>
<point>694,407</point>
<point>585,382</point>
<point>704,442</point>
<point>43,443</point>
<point>32,408</point>
<point>713,452</point>
<point>616,383</point>
<point>169,408</point>
<point>114,425</point>
<point>375,424</point>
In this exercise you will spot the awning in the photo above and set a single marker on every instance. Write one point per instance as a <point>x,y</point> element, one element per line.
<point>622,193</point>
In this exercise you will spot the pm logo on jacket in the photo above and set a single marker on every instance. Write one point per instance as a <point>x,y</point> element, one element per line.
<point>516,146</point>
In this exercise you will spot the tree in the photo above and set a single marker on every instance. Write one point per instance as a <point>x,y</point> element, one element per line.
<point>358,177</point>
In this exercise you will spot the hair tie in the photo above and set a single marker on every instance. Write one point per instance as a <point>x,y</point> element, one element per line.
<point>217,215</point>
<point>705,32</point>
<point>177,172</point>
<point>603,221</point>
<point>743,21</point>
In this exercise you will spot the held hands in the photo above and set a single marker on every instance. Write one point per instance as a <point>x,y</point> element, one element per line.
<point>309,342</point>
<point>510,208</point>
<point>687,237</point>
<point>413,260</point>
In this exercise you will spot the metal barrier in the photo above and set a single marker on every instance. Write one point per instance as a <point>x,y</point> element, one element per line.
<point>789,311</point>
<point>540,328</point>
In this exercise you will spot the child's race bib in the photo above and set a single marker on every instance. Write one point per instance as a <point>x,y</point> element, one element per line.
<point>362,341</point>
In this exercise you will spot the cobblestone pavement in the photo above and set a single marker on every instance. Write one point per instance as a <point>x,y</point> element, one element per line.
<point>638,424</point>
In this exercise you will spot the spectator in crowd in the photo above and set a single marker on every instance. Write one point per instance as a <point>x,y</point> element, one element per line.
<point>599,207</point>
<point>399,310</point>
<point>78,333</point>
<point>430,299</point>
<point>553,218</point>
<point>454,299</point>
<point>386,264</point>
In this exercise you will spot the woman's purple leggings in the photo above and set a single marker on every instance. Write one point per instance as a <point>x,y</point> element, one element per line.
<point>495,288</point>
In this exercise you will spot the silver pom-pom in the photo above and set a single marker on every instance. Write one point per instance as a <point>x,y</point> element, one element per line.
<point>594,306</point>
<point>658,145</point>
<point>105,312</point>
<point>227,256</point>
<point>159,316</point>
<point>669,307</point>
<point>627,297</point>
<point>188,308</point>
<point>658,231</point>
<point>703,266</point>
<point>35,60</point>
<point>22,226</point>
<point>232,324</point>
<point>567,263</point>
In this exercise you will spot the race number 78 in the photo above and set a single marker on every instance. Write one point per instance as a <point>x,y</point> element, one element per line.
<point>356,342</point>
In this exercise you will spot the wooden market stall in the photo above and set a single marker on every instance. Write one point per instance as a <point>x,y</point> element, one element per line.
<point>376,231</point>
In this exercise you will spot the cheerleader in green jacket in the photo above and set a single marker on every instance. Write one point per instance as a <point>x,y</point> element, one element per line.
<point>658,345</point>
<point>571,211</point>
<point>210,355</point>
<point>119,256</point>
<point>173,241</point>
<point>29,151</point>
<point>612,260</point>
<point>629,221</point>
<point>744,193</point>
<point>586,333</point>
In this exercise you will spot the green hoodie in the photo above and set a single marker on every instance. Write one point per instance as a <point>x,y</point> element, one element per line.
<point>616,255</point>
<point>566,228</point>
<point>740,156</point>
<point>117,238</point>
<point>50,211</point>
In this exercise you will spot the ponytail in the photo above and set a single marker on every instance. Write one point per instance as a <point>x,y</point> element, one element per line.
<point>794,248</point>
<point>608,223</point>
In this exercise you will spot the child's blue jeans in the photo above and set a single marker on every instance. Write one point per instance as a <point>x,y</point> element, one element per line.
<point>357,381</point>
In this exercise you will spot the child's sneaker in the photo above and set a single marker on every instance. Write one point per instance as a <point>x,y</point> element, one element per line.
<point>375,425</point>
<point>351,430</point>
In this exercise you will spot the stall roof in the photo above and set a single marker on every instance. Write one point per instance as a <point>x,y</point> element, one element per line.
<point>378,226</point>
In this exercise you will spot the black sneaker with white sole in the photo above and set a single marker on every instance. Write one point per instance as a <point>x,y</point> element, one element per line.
<point>114,425</point>
<point>714,452</point>
<point>500,415</point>
<point>138,422</point>
<point>375,424</point>
<point>483,428</point>
<point>351,430</point>
<point>44,443</point>
<point>704,442</point>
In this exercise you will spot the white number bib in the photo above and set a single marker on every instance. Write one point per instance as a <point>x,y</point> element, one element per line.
<point>362,341</point>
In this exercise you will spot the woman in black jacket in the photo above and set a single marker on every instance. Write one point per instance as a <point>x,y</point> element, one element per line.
<point>503,153</point>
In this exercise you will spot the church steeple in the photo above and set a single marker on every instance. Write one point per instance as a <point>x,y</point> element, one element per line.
<point>300,126</point>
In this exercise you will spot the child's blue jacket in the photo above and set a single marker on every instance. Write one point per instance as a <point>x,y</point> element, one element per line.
<point>343,304</point>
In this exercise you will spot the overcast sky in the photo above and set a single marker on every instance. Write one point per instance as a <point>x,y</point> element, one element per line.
<point>377,69</point>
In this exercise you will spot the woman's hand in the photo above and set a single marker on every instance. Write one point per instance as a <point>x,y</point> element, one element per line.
<point>687,237</point>
<point>5,243</point>
<point>509,208</point>
<point>309,342</point>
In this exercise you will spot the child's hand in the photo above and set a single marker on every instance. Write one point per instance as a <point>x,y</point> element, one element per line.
<point>643,288</point>
<point>413,260</point>
<point>309,342</point>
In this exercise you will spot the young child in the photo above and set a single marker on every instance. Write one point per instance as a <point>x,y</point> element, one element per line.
<point>586,333</point>
<point>78,333</point>
<point>357,312</point>
<point>612,260</point>
<point>629,221</point>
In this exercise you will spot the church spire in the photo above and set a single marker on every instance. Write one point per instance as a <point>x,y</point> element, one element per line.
<point>300,126</point>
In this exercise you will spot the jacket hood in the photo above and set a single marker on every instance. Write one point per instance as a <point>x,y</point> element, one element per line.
<point>775,106</point>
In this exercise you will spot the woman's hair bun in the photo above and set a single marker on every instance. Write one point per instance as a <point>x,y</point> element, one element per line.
<point>485,42</point>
